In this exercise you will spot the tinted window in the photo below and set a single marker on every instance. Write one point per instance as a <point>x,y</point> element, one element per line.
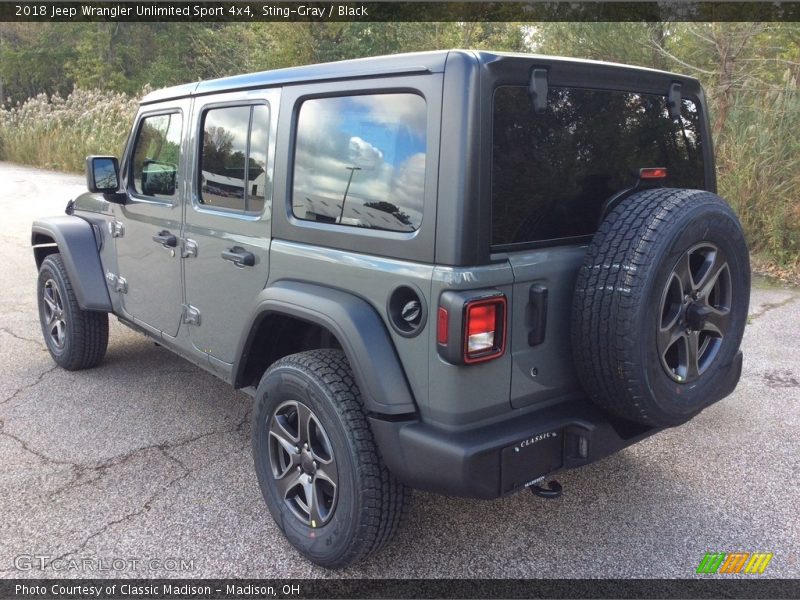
<point>360,161</point>
<point>233,158</point>
<point>156,156</point>
<point>552,172</point>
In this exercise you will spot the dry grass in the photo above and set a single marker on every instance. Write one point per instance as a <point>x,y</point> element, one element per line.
<point>58,133</point>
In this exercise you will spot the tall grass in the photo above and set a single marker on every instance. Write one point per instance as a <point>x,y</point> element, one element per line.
<point>758,161</point>
<point>58,133</point>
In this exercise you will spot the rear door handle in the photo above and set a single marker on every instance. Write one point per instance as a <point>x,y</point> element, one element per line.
<point>166,239</point>
<point>239,256</point>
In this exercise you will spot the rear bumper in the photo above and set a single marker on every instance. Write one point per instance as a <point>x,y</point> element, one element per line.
<point>498,459</point>
<point>480,463</point>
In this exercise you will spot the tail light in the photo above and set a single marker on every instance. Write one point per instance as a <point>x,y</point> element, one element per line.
<point>471,328</point>
<point>485,329</point>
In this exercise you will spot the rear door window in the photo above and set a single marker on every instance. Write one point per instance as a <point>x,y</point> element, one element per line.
<point>552,172</point>
<point>233,158</point>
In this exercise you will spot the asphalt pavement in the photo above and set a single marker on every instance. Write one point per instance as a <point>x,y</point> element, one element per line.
<point>144,464</point>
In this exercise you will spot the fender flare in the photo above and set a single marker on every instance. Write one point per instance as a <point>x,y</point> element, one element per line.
<point>77,245</point>
<point>358,328</point>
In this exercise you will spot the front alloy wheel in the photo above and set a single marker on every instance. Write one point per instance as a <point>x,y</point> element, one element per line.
<point>54,324</point>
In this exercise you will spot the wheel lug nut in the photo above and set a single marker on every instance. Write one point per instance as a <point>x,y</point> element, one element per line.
<point>314,463</point>
<point>308,478</point>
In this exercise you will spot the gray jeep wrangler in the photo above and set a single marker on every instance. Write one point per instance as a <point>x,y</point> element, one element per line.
<point>453,271</point>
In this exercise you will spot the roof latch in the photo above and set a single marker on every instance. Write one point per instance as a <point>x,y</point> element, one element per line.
<point>537,90</point>
<point>674,100</point>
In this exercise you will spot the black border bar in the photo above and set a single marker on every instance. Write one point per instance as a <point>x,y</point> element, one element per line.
<point>711,587</point>
<point>532,10</point>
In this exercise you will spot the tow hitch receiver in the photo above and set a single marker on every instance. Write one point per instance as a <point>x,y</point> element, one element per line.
<point>553,490</point>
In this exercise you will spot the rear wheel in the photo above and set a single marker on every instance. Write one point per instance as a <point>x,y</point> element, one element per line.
<point>77,339</point>
<point>319,469</point>
<point>660,305</point>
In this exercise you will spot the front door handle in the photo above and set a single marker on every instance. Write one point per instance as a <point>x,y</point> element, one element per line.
<point>166,239</point>
<point>239,256</point>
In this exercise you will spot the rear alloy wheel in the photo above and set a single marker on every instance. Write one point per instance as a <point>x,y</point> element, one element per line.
<point>317,463</point>
<point>303,463</point>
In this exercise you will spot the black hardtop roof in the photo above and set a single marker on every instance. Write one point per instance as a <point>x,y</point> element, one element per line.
<point>382,66</point>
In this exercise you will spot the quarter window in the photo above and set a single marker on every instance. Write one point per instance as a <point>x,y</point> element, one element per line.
<point>156,156</point>
<point>360,161</point>
<point>233,158</point>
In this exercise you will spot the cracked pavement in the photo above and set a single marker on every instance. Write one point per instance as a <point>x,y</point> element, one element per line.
<point>148,457</point>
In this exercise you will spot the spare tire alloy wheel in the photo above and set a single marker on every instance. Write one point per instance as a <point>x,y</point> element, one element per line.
<point>303,463</point>
<point>695,311</point>
<point>660,306</point>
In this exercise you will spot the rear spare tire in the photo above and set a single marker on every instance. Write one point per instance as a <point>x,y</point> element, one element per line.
<point>660,305</point>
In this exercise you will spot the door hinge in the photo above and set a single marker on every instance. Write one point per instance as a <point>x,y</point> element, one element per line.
<point>117,283</point>
<point>191,316</point>
<point>189,248</point>
<point>116,229</point>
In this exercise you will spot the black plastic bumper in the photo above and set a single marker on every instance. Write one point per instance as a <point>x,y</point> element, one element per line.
<point>491,461</point>
<point>495,460</point>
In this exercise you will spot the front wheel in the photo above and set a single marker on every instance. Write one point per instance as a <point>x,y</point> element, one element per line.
<point>319,469</point>
<point>77,339</point>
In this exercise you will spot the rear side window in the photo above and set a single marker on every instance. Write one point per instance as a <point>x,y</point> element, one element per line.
<point>360,161</point>
<point>156,156</point>
<point>233,158</point>
<point>552,172</point>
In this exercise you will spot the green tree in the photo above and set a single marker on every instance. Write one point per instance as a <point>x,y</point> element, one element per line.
<point>32,58</point>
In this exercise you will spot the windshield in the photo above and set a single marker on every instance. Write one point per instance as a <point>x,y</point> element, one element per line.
<point>552,172</point>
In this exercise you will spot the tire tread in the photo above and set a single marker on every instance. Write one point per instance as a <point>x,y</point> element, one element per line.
<point>384,499</point>
<point>609,288</point>
<point>89,332</point>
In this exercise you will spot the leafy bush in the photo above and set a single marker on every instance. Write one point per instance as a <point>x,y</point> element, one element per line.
<point>58,133</point>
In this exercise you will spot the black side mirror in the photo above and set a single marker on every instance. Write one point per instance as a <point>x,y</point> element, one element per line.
<point>102,174</point>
